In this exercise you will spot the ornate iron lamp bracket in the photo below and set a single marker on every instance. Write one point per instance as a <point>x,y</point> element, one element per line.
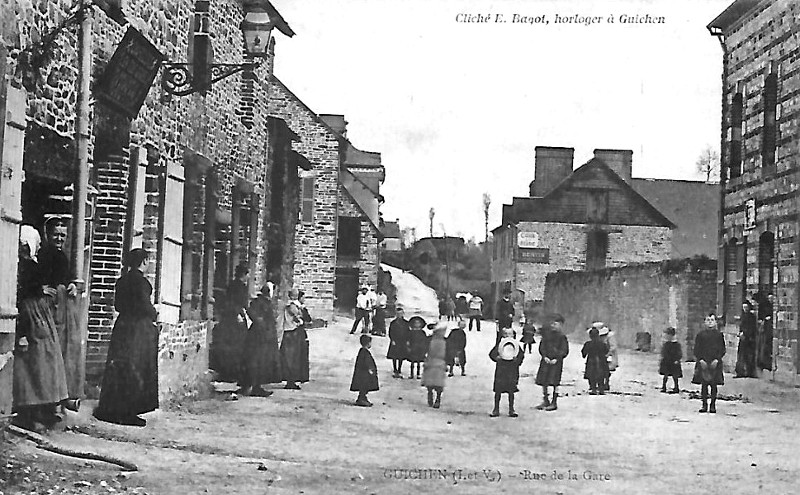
<point>177,78</point>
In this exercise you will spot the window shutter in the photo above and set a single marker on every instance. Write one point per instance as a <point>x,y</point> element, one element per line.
<point>307,205</point>
<point>171,261</point>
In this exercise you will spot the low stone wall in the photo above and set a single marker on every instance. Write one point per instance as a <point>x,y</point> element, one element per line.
<point>183,361</point>
<point>647,297</point>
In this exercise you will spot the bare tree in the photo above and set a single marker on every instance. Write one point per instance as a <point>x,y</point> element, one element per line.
<point>487,201</point>
<point>708,164</point>
<point>431,214</point>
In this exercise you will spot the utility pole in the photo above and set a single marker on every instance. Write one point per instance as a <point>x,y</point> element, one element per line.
<point>487,201</point>
<point>82,137</point>
<point>431,214</point>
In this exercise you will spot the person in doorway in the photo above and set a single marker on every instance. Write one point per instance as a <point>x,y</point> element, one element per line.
<point>398,342</point>
<point>260,354</point>
<point>765,333</point>
<point>363,307</point>
<point>746,354</point>
<point>229,334</point>
<point>130,380</point>
<point>379,320</point>
<point>595,351</point>
<point>39,379</point>
<point>508,356</point>
<point>475,311</point>
<point>294,346</point>
<point>418,345</point>
<point>670,364</point>
<point>709,348</point>
<point>433,375</point>
<point>365,373</point>
<point>456,348</point>
<point>553,348</point>
<point>65,305</point>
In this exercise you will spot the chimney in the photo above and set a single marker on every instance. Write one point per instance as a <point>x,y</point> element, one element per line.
<point>335,122</point>
<point>620,161</point>
<point>552,165</point>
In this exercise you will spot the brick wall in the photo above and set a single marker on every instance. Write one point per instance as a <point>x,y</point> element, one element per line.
<point>646,297</point>
<point>765,38</point>
<point>315,242</point>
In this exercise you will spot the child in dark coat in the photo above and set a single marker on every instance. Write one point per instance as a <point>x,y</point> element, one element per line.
<point>398,343</point>
<point>365,373</point>
<point>528,335</point>
<point>595,352</point>
<point>670,364</point>
<point>418,344</point>
<point>506,371</point>
<point>456,348</point>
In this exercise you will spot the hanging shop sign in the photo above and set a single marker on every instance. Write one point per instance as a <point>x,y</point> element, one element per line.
<point>129,74</point>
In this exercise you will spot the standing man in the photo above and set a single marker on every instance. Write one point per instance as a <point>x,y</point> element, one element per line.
<point>475,311</point>
<point>362,310</point>
<point>504,314</point>
<point>379,320</point>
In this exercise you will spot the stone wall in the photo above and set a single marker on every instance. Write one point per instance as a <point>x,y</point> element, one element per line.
<point>763,42</point>
<point>315,242</point>
<point>647,297</point>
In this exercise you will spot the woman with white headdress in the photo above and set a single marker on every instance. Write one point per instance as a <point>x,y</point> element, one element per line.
<point>39,377</point>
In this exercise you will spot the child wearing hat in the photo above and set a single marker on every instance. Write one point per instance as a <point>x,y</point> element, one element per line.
<point>595,352</point>
<point>435,366</point>
<point>553,347</point>
<point>418,344</point>
<point>670,364</point>
<point>365,373</point>
<point>456,348</point>
<point>607,337</point>
<point>508,357</point>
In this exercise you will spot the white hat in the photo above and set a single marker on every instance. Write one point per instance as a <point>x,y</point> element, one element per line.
<point>507,348</point>
<point>602,328</point>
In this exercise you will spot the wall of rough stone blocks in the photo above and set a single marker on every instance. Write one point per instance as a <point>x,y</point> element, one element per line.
<point>647,297</point>
<point>183,362</point>
<point>315,243</point>
<point>763,37</point>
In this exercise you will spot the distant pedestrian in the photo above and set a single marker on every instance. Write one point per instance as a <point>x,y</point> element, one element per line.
<point>418,345</point>
<point>435,365</point>
<point>363,307</point>
<point>746,353</point>
<point>379,320</point>
<point>709,348</point>
<point>130,380</point>
<point>504,313</point>
<point>608,337</point>
<point>228,335</point>
<point>670,364</point>
<point>261,354</point>
<point>399,335</point>
<point>294,346</point>
<point>456,348</point>
<point>475,311</point>
<point>450,307</point>
<point>365,373</point>
<point>595,352</point>
<point>442,308</point>
<point>462,306</point>
<point>508,357</point>
<point>553,347</point>
<point>764,339</point>
<point>528,335</point>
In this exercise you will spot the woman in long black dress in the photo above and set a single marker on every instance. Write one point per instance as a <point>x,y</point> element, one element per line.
<point>130,381</point>
<point>746,354</point>
<point>294,345</point>
<point>229,334</point>
<point>39,377</point>
<point>261,359</point>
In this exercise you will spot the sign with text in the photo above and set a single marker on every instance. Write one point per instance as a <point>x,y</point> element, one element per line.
<point>533,255</point>
<point>750,214</point>
<point>528,239</point>
<point>129,74</point>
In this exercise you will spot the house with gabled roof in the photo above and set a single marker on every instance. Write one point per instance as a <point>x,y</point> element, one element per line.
<point>584,219</point>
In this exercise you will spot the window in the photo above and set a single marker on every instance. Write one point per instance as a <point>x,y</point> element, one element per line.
<point>596,250</point>
<point>597,207</point>
<point>307,202</point>
<point>348,244</point>
<point>735,154</point>
<point>769,130</point>
<point>766,262</point>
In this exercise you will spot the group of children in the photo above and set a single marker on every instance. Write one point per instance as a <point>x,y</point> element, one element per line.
<point>600,352</point>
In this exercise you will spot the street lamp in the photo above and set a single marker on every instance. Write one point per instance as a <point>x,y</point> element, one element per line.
<point>182,79</point>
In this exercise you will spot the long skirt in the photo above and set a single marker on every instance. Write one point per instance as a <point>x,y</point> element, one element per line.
<point>39,376</point>
<point>294,355</point>
<point>764,347</point>
<point>379,322</point>
<point>549,374</point>
<point>68,311</point>
<point>130,380</point>
<point>746,358</point>
<point>262,362</point>
<point>225,354</point>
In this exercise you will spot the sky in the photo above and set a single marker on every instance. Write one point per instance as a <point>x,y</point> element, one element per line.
<point>456,108</point>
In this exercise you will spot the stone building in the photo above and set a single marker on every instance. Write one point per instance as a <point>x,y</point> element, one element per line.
<point>392,239</point>
<point>587,219</point>
<point>758,234</point>
<point>196,180</point>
